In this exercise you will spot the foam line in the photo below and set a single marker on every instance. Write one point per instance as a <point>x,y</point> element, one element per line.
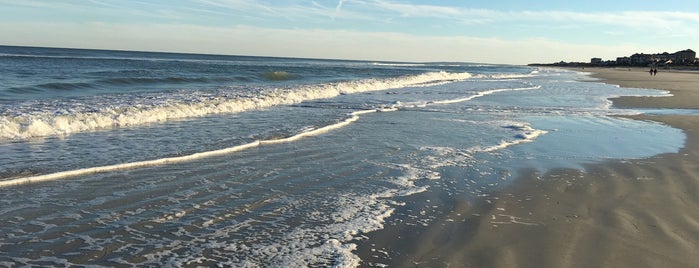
<point>484,93</point>
<point>132,165</point>
<point>527,134</point>
<point>178,159</point>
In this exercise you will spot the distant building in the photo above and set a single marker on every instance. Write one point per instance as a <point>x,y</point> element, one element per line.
<point>684,57</point>
<point>681,58</point>
<point>662,57</point>
<point>641,59</point>
<point>623,61</point>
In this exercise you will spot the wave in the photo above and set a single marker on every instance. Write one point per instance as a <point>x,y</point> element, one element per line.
<point>434,64</point>
<point>130,77</point>
<point>50,123</point>
<point>54,86</point>
<point>524,134</point>
<point>64,86</point>
<point>177,159</point>
<point>148,80</point>
<point>504,76</point>
<point>398,64</point>
<point>129,81</point>
<point>484,93</point>
<point>76,57</point>
<point>476,95</point>
<point>90,57</point>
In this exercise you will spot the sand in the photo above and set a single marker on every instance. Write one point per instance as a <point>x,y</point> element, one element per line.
<point>624,213</point>
<point>683,85</point>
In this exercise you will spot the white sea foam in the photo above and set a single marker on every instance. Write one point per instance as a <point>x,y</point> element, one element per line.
<point>50,123</point>
<point>355,214</point>
<point>484,93</point>
<point>419,64</point>
<point>351,215</point>
<point>171,160</point>
<point>421,104</point>
<point>453,156</point>
<point>446,156</point>
<point>398,64</point>
<point>524,133</point>
<point>506,76</point>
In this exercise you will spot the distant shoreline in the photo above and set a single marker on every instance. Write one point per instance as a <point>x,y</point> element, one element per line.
<point>584,66</point>
<point>680,83</point>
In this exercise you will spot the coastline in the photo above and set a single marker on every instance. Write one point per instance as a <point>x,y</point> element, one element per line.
<point>621,213</point>
<point>681,84</point>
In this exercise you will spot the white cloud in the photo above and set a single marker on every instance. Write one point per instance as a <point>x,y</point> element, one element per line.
<point>339,6</point>
<point>416,10</point>
<point>380,10</point>
<point>374,15</point>
<point>237,4</point>
<point>304,30</point>
<point>315,43</point>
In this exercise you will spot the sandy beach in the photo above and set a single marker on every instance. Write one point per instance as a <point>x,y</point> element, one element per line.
<point>682,84</point>
<point>625,213</point>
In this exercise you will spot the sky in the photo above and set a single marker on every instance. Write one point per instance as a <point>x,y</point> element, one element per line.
<point>485,31</point>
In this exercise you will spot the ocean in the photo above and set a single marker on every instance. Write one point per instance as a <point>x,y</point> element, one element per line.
<point>118,158</point>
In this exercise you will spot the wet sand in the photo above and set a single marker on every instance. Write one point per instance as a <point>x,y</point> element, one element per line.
<point>684,85</point>
<point>625,213</point>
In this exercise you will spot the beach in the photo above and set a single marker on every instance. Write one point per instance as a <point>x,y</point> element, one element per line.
<point>622,213</point>
<point>162,159</point>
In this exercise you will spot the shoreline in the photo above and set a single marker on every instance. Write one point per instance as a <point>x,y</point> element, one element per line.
<point>621,213</point>
<point>682,85</point>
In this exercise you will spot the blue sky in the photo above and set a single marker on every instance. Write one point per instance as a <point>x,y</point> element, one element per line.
<point>508,31</point>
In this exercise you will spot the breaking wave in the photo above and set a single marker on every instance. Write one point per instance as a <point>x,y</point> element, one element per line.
<point>523,133</point>
<point>80,117</point>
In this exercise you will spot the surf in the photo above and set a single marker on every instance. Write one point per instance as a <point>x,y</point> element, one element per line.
<point>527,134</point>
<point>163,108</point>
<point>172,160</point>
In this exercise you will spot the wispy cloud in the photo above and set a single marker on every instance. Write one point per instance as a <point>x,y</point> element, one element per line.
<point>314,43</point>
<point>102,3</point>
<point>412,10</point>
<point>237,4</point>
<point>636,19</point>
<point>373,13</point>
<point>27,3</point>
<point>366,29</point>
<point>385,8</point>
<point>338,8</point>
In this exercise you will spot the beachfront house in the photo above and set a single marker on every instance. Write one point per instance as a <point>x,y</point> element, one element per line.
<point>641,59</point>
<point>623,61</point>
<point>687,56</point>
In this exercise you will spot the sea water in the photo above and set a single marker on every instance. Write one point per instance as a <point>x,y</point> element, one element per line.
<point>115,158</point>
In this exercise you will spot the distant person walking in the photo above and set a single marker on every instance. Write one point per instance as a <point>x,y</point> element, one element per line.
<point>655,72</point>
<point>651,71</point>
